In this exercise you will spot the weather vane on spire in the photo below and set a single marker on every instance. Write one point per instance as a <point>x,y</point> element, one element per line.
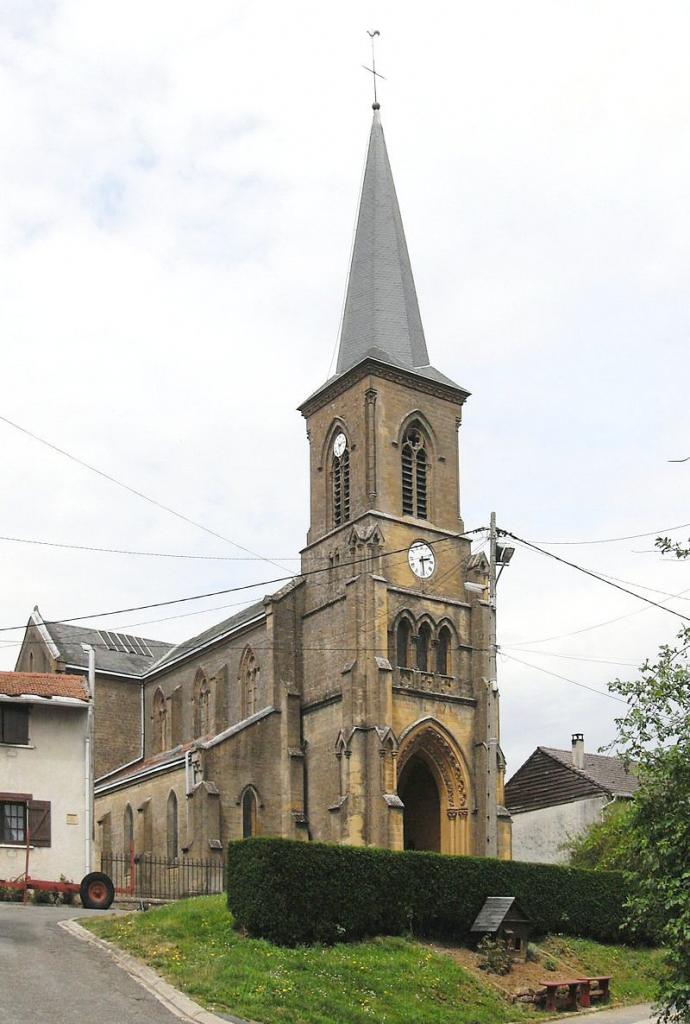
<point>372,70</point>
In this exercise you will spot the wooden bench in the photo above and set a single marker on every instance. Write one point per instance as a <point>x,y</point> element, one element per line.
<point>576,987</point>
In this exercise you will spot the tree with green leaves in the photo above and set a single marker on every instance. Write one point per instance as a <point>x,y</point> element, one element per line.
<point>655,736</point>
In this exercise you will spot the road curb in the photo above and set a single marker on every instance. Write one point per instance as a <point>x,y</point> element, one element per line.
<point>174,1000</point>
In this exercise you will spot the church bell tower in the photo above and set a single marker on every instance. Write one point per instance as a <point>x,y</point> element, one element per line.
<point>395,683</point>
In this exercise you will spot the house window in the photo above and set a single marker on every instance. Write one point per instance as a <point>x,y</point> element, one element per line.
<point>443,652</point>
<point>12,823</point>
<point>249,682</point>
<point>248,814</point>
<point>414,473</point>
<point>423,645</point>
<point>340,481</point>
<point>173,841</point>
<point>14,724</point>
<point>403,643</point>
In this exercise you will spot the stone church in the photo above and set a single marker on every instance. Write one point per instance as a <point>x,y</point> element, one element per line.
<point>351,706</point>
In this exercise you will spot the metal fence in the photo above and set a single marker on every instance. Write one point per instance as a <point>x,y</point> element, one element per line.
<point>149,877</point>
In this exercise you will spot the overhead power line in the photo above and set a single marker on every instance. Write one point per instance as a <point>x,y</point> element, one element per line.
<point>233,590</point>
<point>566,679</point>
<point>147,554</point>
<point>587,629</point>
<point>614,540</point>
<point>133,490</point>
<point>569,657</point>
<point>594,575</point>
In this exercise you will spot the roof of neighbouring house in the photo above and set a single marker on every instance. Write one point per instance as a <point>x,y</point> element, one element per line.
<point>549,778</point>
<point>494,912</point>
<point>43,684</point>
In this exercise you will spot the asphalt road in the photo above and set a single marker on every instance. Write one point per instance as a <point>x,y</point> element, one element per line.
<point>48,975</point>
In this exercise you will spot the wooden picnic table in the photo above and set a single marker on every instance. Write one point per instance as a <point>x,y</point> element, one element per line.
<point>576,987</point>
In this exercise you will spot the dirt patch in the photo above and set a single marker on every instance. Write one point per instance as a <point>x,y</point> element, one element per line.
<point>525,979</point>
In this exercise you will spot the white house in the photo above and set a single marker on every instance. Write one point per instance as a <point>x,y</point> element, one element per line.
<point>43,775</point>
<point>557,794</point>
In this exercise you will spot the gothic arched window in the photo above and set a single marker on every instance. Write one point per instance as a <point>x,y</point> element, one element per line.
<point>249,682</point>
<point>202,699</point>
<point>128,829</point>
<point>415,469</point>
<point>423,645</point>
<point>173,840</point>
<point>249,814</point>
<point>443,652</point>
<point>340,479</point>
<point>160,722</point>
<point>402,643</point>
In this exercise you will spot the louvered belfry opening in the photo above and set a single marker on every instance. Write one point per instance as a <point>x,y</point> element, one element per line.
<point>414,473</point>
<point>340,471</point>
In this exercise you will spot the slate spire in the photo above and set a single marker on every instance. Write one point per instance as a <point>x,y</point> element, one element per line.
<point>381,314</point>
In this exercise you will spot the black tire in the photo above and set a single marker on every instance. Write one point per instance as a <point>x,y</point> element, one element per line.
<point>96,891</point>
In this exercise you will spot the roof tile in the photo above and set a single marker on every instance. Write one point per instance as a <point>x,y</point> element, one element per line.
<point>43,684</point>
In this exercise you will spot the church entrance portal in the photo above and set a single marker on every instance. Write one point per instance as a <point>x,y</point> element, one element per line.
<point>422,815</point>
<point>432,784</point>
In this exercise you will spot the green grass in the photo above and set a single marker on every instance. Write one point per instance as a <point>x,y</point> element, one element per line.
<point>634,970</point>
<point>390,980</point>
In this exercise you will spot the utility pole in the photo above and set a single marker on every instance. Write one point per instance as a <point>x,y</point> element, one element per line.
<point>492,705</point>
<point>89,827</point>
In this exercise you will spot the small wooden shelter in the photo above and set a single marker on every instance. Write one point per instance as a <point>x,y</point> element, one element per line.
<point>502,917</point>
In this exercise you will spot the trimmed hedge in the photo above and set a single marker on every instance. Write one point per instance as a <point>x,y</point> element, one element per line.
<point>298,893</point>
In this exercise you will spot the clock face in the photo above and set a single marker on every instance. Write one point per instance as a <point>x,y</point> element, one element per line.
<point>422,560</point>
<point>339,445</point>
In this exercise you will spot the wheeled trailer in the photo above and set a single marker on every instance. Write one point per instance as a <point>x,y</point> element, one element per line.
<point>96,889</point>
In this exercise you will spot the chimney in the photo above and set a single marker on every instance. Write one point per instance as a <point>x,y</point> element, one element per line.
<point>578,741</point>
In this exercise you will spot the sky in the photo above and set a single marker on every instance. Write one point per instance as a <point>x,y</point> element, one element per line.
<point>178,188</point>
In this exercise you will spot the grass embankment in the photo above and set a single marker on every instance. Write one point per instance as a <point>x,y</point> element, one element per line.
<point>393,980</point>
<point>634,970</point>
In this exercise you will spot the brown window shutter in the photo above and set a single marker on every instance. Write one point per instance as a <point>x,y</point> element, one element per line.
<point>15,725</point>
<point>39,820</point>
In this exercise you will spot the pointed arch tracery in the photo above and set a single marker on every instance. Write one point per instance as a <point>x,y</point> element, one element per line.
<point>128,829</point>
<point>250,802</point>
<point>161,737</point>
<point>173,840</point>
<point>444,650</point>
<point>430,740</point>
<point>424,640</point>
<point>402,636</point>
<point>249,682</point>
<point>202,704</point>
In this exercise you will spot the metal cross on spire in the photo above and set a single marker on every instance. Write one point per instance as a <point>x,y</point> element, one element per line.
<point>372,70</point>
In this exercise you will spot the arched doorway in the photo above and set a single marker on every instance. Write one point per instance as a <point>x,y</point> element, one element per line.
<point>422,815</point>
<point>433,785</point>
